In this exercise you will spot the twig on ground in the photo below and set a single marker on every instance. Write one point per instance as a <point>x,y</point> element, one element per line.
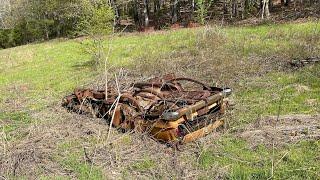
<point>273,140</point>
<point>88,159</point>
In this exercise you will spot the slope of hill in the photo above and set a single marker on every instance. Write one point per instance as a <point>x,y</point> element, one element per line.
<point>41,139</point>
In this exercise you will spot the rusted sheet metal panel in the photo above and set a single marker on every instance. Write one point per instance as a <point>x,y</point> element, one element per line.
<point>161,106</point>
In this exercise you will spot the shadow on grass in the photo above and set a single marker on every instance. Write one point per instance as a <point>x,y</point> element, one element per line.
<point>91,65</point>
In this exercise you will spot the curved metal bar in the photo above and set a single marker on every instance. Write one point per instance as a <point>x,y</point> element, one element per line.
<point>157,85</point>
<point>152,91</point>
<point>132,100</point>
<point>191,80</point>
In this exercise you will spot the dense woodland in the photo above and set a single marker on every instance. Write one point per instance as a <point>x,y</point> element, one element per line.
<point>25,21</point>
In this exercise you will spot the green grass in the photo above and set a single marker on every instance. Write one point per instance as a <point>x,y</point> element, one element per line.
<point>52,68</point>
<point>53,177</point>
<point>143,165</point>
<point>55,67</point>
<point>81,169</point>
<point>270,40</point>
<point>39,75</point>
<point>10,121</point>
<point>298,161</point>
<point>71,157</point>
<point>296,93</point>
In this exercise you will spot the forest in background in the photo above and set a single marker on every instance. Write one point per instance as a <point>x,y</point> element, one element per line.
<point>26,21</point>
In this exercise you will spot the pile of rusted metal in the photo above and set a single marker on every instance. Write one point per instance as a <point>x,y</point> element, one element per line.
<point>161,106</point>
<point>298,63</point>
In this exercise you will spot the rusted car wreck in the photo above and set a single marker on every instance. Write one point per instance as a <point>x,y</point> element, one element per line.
<point>162,106</point>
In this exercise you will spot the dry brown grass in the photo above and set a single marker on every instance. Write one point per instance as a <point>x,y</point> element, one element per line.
<point>282,130</point>
<point>124,155</point>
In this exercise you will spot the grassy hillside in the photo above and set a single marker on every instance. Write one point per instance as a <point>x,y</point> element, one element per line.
<point>41,139</point>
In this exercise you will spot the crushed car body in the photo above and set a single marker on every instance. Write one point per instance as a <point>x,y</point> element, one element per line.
<point>163,107</point>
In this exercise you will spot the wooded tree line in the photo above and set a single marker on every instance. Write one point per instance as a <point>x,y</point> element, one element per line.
<point>24,21</point>
<point>164,13</point>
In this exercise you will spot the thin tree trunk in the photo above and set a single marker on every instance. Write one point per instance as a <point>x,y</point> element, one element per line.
<point>137,13</point>
<point>246,5</point>
<point>156,6</point>
<point>265,9</point>
<point>116,12</point>
<point>146,13</point>
<point>234,8</point>
<point>175,9</point>
<point>287,3</point>
<point>157,13</point>
<point>193,4</point>
<point>225,8</point>
<point>270,5</point>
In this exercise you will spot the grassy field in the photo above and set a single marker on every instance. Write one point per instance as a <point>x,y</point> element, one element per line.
<point>41,139</point>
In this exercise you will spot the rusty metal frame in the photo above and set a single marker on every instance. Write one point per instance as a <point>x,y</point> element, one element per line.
<point>160,106</point>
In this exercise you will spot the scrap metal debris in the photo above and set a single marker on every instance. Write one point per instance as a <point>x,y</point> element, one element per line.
<point>297,63</point>
<point>161,106</point>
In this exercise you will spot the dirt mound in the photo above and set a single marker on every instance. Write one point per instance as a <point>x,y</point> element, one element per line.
<point>283,129</point>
